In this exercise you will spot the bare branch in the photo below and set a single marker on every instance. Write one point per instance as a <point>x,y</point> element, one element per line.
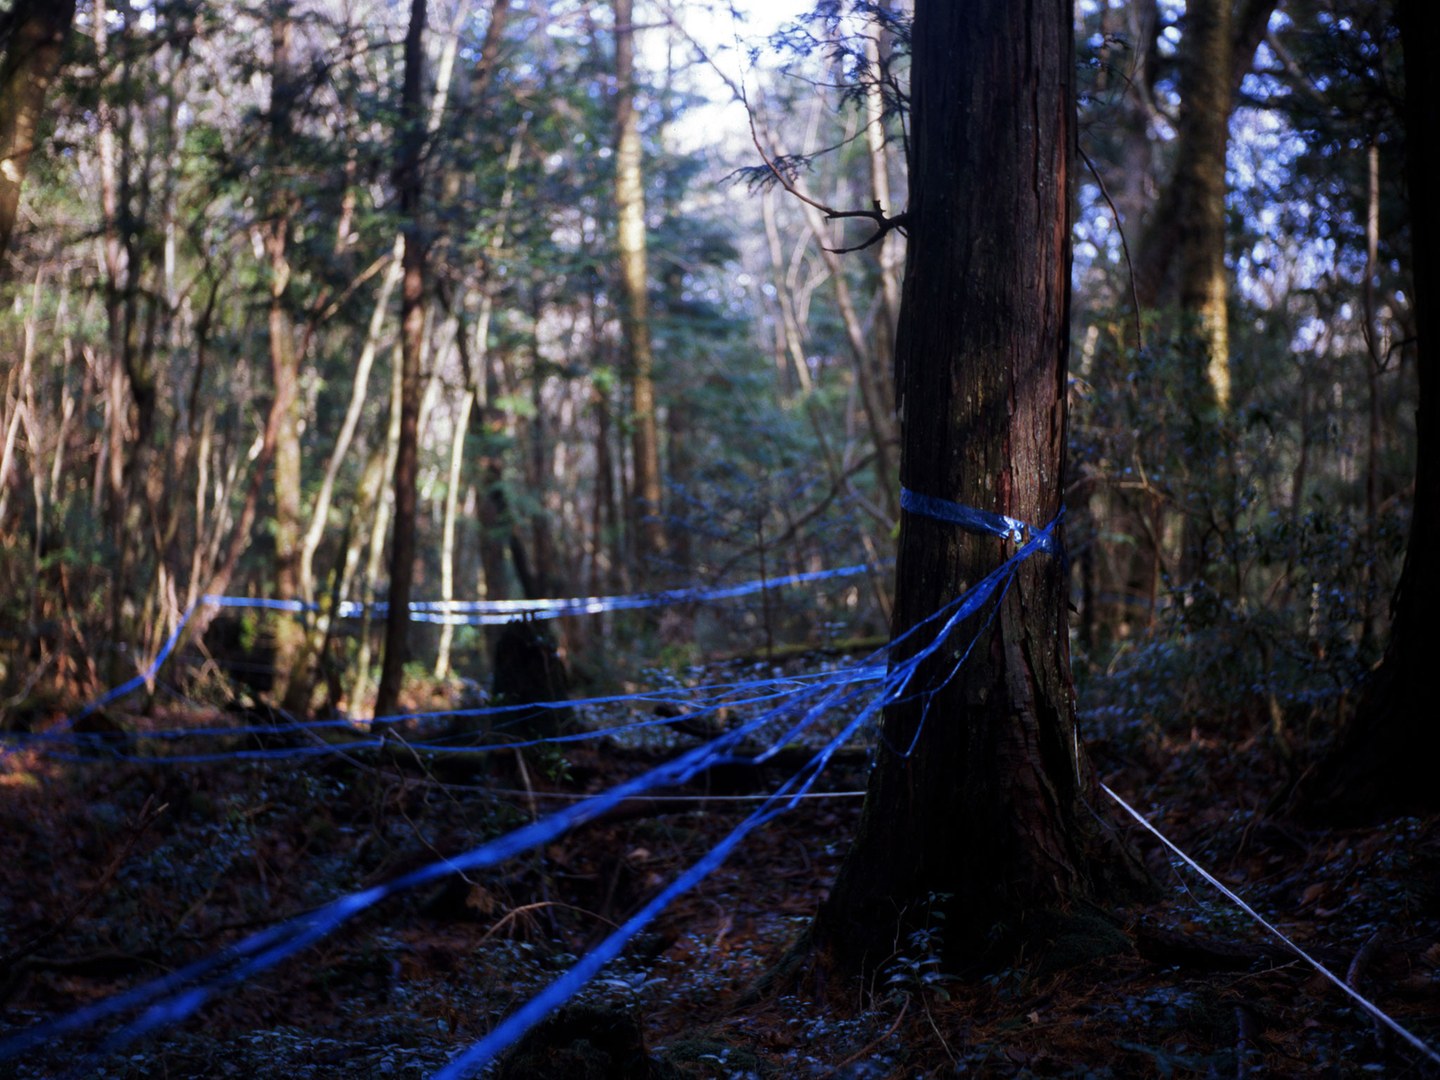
<point>883,224</point>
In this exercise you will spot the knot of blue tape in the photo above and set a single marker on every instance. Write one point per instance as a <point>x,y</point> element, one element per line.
<point>973,520</point>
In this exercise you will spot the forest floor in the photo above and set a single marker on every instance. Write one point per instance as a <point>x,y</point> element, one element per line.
<point>118,871</point>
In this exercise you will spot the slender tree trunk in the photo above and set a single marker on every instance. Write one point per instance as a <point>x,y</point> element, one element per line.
<point>790,338</point>
<point>476,363</point>
<point>447,532</point>
<point>284,358</point>
<point>379,469</point>
<point>496,433</point>
<point>33,33</point>
<point>1374,367</point>
<point>888,251</point>
<point>984,822</point>
<point>1204,135</point>
<point>606,544</point>
<point>412,330</point>
<point>635,304</point>
<point>878,405</point>
<point>133,391</point>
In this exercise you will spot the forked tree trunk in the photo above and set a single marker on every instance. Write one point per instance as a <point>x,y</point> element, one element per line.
<point>1217,51</point>
<point>984,820</point>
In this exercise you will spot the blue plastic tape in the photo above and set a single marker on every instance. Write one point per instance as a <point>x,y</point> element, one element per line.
<point>971,519</point>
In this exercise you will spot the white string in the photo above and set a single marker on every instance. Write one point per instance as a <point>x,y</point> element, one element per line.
<point>1369,1006</point>
<point>574,796</point>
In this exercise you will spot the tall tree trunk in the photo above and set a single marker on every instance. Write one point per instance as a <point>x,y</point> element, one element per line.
<point>1217,50</point>
<point>1203,285</point>
<point>412,330</point>
<point>284,356</point>
<point>877,145</point>
<point>378,469</point>
<point>1375,365</point>
<point>1383,760</point>
<point>33,35</point>
<point>461,422</point>
<point>131,406</point>
<point>1204,135</point>
<point>984,821</point>
<point>634,297</point>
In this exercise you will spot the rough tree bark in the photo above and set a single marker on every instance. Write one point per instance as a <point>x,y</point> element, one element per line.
<point>412,330</point>
<point>1383,761</point>
<point>33,34</point>
<point>284,356</point>
<point>1204,136</point>
<point>984,821</point>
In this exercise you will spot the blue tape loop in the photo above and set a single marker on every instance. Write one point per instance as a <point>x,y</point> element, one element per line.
<point>973,520</point>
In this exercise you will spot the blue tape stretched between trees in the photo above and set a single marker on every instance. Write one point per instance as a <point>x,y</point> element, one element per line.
<point>496,612</point>
<point>973,520</point>
<point>896,683</point>
<point>175,996</point>
<point>471,612</point>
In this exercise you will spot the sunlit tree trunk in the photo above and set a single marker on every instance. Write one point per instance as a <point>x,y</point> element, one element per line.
<point>1180,258</point>
<point>1200,171</point>
<point>875,401</point>
<point>475,358</point>
<point>888,250</point>
<point>1217,49</point>
<point>373,496</point>
<point>790,340</point>
<point>984,823</point>
<point>34,34</point>
<point>635,304</point>
<point>412,331</point>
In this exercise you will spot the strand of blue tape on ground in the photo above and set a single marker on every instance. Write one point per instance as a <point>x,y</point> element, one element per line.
<point>896,682</point>
<point>514,1026</point>
<point>972,519</point>
<point>100,749</point>
<point>151,670</point>
<point>174,997</point>
<point>699,701</point>
<point>171,998</point>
